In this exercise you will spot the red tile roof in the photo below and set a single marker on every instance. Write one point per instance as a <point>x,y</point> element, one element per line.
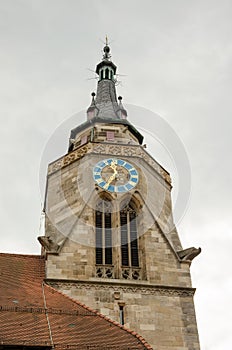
<point>35,314</point>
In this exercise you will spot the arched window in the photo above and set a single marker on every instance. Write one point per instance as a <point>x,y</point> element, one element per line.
<point>107,73</point>
<point>101,74</point>
<point>129,238</point>
<point>103,233</point>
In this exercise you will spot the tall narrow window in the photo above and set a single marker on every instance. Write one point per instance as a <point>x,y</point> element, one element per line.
<point>121,314</point>
<point>103,233</point>
<point>129,239</point>
<point>107,73</point>
<point>101,74</point>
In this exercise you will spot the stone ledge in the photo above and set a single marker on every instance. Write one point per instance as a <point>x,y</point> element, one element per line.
<point>128,287</point>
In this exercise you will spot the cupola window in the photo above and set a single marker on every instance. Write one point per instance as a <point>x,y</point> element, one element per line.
<point>101,74</point>
<point>107,73</point>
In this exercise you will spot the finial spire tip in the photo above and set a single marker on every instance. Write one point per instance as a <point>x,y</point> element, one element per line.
<point>106,50</point>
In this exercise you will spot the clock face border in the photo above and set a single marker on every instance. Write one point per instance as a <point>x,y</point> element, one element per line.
<point>131,183</point>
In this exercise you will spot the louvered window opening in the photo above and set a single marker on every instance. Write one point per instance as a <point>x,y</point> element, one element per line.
<point>103,236</point>
<point>129,239</point>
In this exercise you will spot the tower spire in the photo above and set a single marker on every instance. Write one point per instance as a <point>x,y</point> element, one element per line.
<point>106,105</point>
<point>105,108</point>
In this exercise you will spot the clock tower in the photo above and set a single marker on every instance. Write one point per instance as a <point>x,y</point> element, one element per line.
<point>110,240</point>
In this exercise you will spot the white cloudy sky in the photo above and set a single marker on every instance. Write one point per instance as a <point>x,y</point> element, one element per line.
<point>177,58</point>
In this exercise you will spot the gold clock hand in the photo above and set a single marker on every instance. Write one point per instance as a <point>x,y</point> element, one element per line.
<point>111,178</point>
<point>113,166</point>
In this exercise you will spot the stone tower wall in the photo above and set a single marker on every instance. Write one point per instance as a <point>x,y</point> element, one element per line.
<point>159,303</point>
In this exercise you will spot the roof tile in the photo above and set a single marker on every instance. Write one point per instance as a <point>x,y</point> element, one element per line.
<point>33,313</point>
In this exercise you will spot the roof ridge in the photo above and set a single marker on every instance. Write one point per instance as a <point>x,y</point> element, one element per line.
<point>36,309</point>
<point>135,334</point>
<point>23,255</point>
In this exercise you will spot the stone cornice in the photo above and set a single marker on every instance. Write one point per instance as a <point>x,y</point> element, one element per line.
<point>126,287</point>
<point>108,148</point>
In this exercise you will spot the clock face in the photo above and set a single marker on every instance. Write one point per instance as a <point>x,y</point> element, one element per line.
<point>115,175</point>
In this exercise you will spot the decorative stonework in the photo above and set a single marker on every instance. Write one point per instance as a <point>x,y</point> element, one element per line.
<point>127,273</point>
<point>117,150</point>
<point>143,289</point>
<point>105,271</point>
<point>69,158</point>
<point>131,273</point>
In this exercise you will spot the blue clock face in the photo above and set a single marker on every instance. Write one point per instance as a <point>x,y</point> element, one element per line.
<point>115,175</point>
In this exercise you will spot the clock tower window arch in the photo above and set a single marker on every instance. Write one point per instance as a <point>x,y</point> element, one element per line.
<point>129,237</point>
<point>103,224</point>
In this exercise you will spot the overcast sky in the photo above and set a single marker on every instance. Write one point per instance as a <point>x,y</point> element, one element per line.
<point>176,56</point>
